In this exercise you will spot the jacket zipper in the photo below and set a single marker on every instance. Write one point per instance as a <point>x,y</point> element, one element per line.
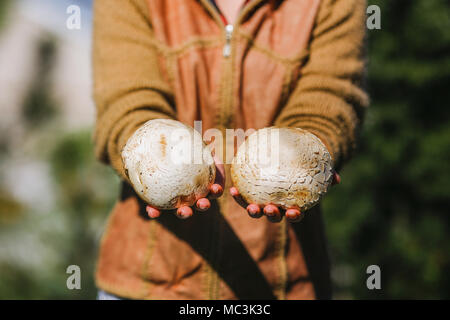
<point>229,28</point>
<point>228,35</point>
<point>214,282</point>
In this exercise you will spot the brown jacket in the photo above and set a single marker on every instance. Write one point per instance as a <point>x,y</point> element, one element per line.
<point>290,63</point>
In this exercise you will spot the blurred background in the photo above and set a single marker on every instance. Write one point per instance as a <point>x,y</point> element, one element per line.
<point>392,208</point>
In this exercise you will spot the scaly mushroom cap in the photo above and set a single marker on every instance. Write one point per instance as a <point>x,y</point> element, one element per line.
<point>282,166</point>
<point>168,164</point>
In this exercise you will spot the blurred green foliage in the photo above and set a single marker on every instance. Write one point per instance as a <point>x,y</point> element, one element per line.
<point>392,208</point>
<point>43,244</point>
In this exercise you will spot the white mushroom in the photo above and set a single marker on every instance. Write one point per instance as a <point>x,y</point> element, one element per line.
<point>168,164</point>
<point>283,166</point>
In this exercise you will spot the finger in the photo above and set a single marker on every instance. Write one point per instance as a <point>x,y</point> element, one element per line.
<point>272,211</point>
<point>184,212</point>
<point>236,195</point>
<point>234,191</point>
<point>152,212</point>
<point>300,218</point>
<point>254,210</point>
<point>220,172</point>
<point>216,190</point>
<point>275,219</point>
<point>203,204</point>
<point>336,179</point>
<point>293,214</point>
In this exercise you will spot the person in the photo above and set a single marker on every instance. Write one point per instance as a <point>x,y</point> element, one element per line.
<point>230,64</point>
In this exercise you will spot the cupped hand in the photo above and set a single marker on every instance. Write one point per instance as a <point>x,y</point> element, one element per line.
<point>202,204</point>
<point>271,211</point>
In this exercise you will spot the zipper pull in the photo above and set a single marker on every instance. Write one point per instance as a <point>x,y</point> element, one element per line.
<point>228,34</point>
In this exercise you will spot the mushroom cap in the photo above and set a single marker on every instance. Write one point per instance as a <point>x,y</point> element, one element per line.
<point>287,167</point>
<point>168,164</point>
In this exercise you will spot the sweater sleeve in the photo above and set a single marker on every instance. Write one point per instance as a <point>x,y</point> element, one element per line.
<point>328,99</point>
<point>128,86</point>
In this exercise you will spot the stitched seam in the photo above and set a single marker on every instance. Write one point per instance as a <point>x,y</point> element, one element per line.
<point>271,54</point>
<point>281,246</point>
<point>212,292</point>
<point>193,42</point>
<point>217,279</point>
<point>210,271</point>
<point>206,279</point>
<point>147,285</point>
<point>226,117</point>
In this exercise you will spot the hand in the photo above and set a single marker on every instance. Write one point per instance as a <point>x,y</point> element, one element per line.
<point>271,211</point>
<point>202,204</point>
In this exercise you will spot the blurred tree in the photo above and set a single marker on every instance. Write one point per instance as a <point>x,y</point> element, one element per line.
<point>69,234</point>
<point>39,106</point>
<point>392,208</point>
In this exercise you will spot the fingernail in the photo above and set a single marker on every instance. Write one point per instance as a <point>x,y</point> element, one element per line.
<point>253,209</point>
<point>292,213</point>
<point>152,212</point>
<point>203,204</point>
<point>337,179</point>
<point>271,210</point>
<point>216,190</point>
<point>234,192</point>
<point>184,212</point>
